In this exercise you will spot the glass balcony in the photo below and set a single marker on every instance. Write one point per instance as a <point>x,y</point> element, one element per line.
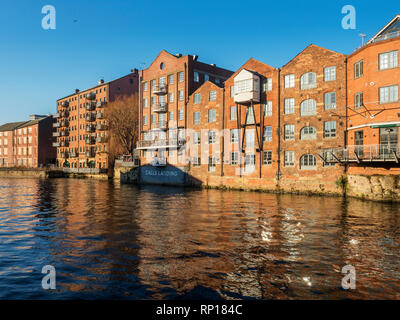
<point>90,117</point>
<point>160,107</point>
<point>101,127</point>
<point>90,106</point>
<point>90,128</point>
<point>161,89</point>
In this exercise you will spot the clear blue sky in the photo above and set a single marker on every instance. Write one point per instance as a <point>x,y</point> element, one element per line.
<point>112,37</point>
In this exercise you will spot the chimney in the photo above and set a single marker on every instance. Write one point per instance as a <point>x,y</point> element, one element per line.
<point>101,81</point>
<point>195,57</point>
<point>135,71</point>
<point>178,55</point>
<point>76,90</point>
<point>213,64</point>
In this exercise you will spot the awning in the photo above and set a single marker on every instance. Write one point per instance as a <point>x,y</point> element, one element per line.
<point>385,125</point>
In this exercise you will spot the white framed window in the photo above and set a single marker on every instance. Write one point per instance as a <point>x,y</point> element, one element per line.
<point>171,79</point>
<point>249,162</point>
<point>180,114</point>
<point>358,100</point>
<point>330,100</point>
<point>308,81</point>
<point>358,69</point>
<point>267,135</point>
<point>212,137</point>
<point>234,135</point>
<point>196,138</point>
<point>161,81</point>
<point>267,157</point>
<point>171,116</point>
<point>171,97</point>
<point>145,103</point>
<point>389,94</point>
<point>234,158</point>
<point>153,118</point>
<point>196,162</point>
<point>289,105</point>
<point>213,95</point>
<point>289,159</point>
<point>388,60</point>
<point>267,84</point>
<point>197,98</point>
<point>180,76</point>
<point>330,73</point>
<point>330,129</point>
<point>289,81</point>
<point>180,94</point>
<point>233,115</point>
<point>289,132</point>
<point>145,86</point>
<point>232,91</point>
<point>267,109</point>
<point>196,117</point>
<point>212,115</point>
<point>308,107</point>
<point>211,164</point>
<point>308,133</point>
<point>308,162</point>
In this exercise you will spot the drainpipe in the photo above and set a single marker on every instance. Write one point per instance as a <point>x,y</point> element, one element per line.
<point>223,132</point>
<point>278,173</point>
<point>346,117</point>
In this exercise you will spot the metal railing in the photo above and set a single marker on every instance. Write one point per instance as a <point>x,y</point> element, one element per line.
<point>387,36</point>
<point>160,89</point>
<point>158,162</point>
<point>160,143</point>
<point>160,107</point>
<point>363,153</point>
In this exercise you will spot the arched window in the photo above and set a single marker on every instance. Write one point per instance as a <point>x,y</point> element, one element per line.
<point>308,162</point>
<point>308,81</point>
<point>308,133</point>
<point>308,107</point>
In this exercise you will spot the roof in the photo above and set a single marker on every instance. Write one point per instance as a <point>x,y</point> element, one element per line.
<point>31,122</point>
<point>392,23</point>
<point>11,126</point>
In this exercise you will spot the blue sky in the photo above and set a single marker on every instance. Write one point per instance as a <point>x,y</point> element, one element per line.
<point>110,38</point>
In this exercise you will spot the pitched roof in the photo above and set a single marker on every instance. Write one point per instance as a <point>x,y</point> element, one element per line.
<point>391,27</point>
<point>31,122</point>
<point>11,126</point>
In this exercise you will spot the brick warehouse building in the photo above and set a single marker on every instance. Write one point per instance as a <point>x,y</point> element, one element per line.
<point>27,143</point>
<point>81,129</point>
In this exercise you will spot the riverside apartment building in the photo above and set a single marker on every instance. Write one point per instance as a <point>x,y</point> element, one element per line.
<point>27,143</point>
<point>81,130</point>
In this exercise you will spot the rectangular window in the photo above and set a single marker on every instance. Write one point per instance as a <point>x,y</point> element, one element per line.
<point>289,81</point>
<point>211,164</point>
<point>232,91</point>
<point>330,129</point>
<point>213,95</point>
<point>196,138</point>
<point>358,69</point>
<point>267,158</point>
<point>267,84</point>
<point>153,101</point>
<point>196,162</point>
<point>197,98</point>
<point>145,120</point>
<point>153,84</point>
<point>153,118</point>
<point>358,100</point>
<point>196,117</point>
<point>171,79</point>
<point>161,81</point>
<point>180,114</point>
<point>180,93</point>
<point>268,109</point>
<point>388,60</point>
<point>234,135</point>
<point>389,94</point>
<point>145,103</point>
<point>196,77</point>
<point>171,97</point>
<point>211,137</point>
<point>330,74</point>
<point>289,132</point>
<point>289,105</point>
<point>212,115</point>
<point>171,115</point>
<point>180,76</point>
<point>233,115</point>
<point>145,86</point>
<point>330,100</point>
<point>249,162</point>
<point>267,136</point>
<point>289,159</point>
<point>234,158</point>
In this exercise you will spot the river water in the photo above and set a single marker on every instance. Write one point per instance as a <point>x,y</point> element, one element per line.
<point>109,241</point>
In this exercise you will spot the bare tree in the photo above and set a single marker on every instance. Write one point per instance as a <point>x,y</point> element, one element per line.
<point>122,116</point>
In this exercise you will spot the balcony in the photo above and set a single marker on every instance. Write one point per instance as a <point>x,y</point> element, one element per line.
<point>64,104</point>
<point>56,134</point>
<point>101,104</point>
<point>160,107</point>
<point>90,128</point>
<point>101,127</point>
<point>73,155</point>
<point>91,96</point>
<point>64,123</point>
<point>64,114</point>
<point>90,106</point>
<point>90,140</point>
<point>158,162</point>
<point>90,117</point>
<point>56,124</point>
<point>363,154</point>
<point>64,155</point>
<point>160,90</point>
<point>56,144</point>
<point>64,133</point>
<point>100,115</point>
<point>90,154</point>
<point>160,144</point>
<point>64,143</point>
<point>162,125</point>
<point>57,115</point>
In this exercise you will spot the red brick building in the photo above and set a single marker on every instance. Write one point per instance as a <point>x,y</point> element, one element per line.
<point>81,129</point>
<point>27,143</point>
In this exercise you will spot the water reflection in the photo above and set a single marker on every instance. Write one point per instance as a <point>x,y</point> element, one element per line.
<point>111,241</point>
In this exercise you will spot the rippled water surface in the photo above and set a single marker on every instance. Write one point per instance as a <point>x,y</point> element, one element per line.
<point>125,242</point>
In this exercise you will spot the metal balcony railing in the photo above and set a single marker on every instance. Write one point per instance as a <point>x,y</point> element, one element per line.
<point>64,114</point>
<point>64,143</point>
<point>56,134</point>
<point>101,139</point>
<point>161,89</point>
<point>90,128</point>
<point>64,133</point>
<point>64,155</point>
<point>56,144</point>
<point>57,115</point>
<point>64,123</point>
<point>90,117</point>
<point>160,107</point>
<point>90,140</point>
<point>73,155</point>
<point>363,153</point>
<point>99,115</point>
<point>90,154</point>
<point>90,106</point>
<point>101,127</point>
<point>100,104</point>
<point>164,143</point>
<point>56,124</point>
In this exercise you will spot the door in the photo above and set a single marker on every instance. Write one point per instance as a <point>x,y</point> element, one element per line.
<point>388,141</point>
<point>359,143</point>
